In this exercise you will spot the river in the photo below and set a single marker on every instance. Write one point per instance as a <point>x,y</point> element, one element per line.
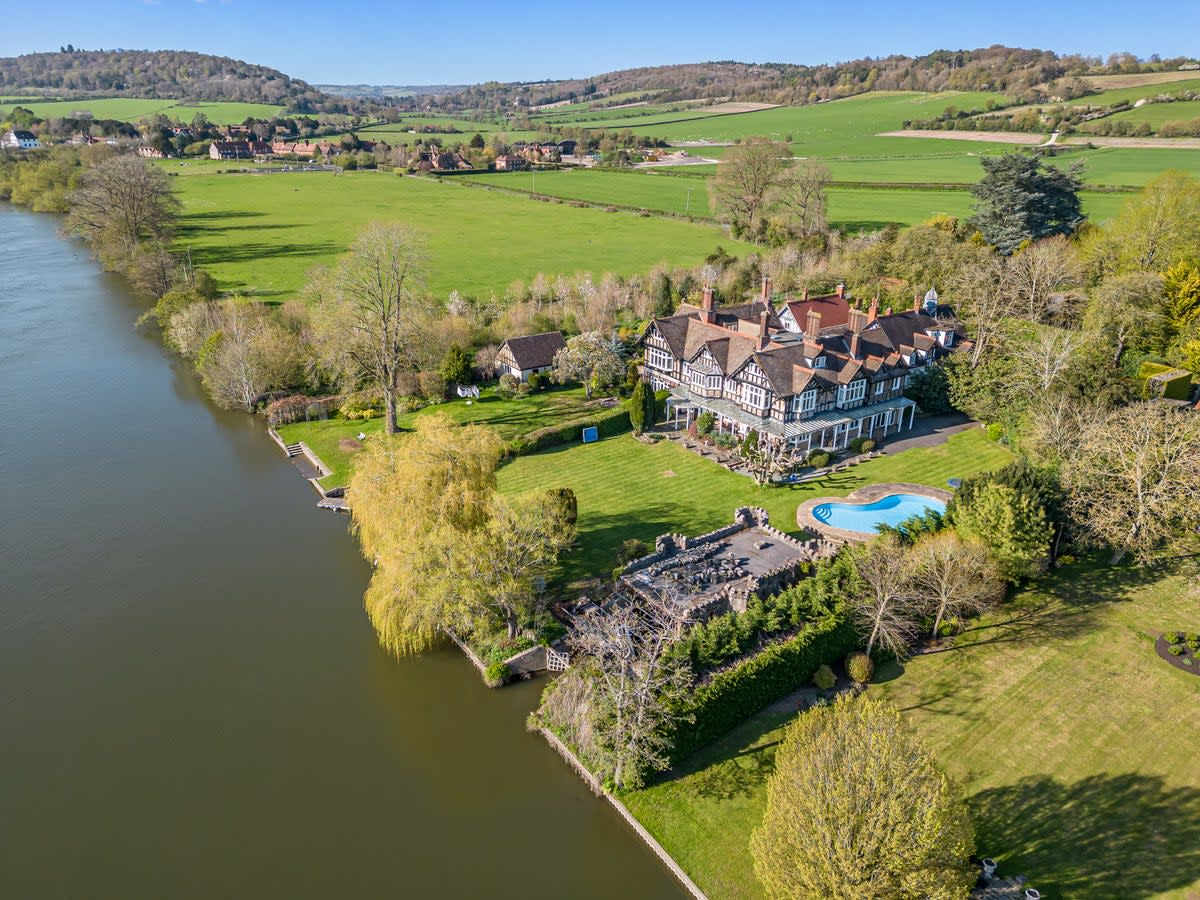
<point>192,701</point>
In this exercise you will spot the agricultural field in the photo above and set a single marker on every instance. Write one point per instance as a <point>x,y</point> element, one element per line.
<point>259,234</point>
<point>1153,114</point>
<point>1133,93</point>
<point>627,489</point>
<point>128,109</point>
<point>853,208</point>
<point>1055,716</point>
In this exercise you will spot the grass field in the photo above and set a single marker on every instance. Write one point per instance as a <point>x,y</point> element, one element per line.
<point>1075,744</point>
<point>1132,93</point>
<point>509,417</point>
<point>260,233</point>
<point>1154,114</point>
<point>627,489</point>
<point>852,208</point>
<point>129,109</point>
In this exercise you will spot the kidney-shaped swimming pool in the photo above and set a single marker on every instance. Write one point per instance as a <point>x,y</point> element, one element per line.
<point>863,517</point>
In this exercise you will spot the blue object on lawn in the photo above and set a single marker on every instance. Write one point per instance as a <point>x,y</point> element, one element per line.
<point>954,482</point>
<point>591,434</point>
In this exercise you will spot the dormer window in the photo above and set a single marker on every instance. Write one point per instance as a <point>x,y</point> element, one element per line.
<point>819,362</point>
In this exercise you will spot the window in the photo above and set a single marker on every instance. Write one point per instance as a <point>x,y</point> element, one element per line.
<point>896,382</point>
<point>852,393</point>
<point>819,362</point>
<point>879,386</point>
<point>753,396</point>
<point>804,403</point>
<point>657,358</point>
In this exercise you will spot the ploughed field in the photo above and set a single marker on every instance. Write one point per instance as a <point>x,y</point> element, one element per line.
<point>259,234</point>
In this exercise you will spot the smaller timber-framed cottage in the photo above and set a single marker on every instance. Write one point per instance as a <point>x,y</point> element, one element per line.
<point>523,356</point>
<point>806,384</point>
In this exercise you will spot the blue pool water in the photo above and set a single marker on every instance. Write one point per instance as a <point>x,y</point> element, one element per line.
<point>892,510</point>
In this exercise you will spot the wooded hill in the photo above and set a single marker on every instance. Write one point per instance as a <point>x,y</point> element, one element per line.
<point>176,74</point>
<point>1022,74</point>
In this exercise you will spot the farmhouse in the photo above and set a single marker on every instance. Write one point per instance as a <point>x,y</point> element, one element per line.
<point>510,163</point>
<point>720,571</point>
<point>817,388</point>
<point>231,150</point>
<point>20,140</point>
<point>523,356</point>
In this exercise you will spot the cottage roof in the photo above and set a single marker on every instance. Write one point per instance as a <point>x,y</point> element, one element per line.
<point>21,135</point>
<point>834,310</point>
<point>535,351</point>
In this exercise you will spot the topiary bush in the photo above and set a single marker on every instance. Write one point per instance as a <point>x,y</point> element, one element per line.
<point>704,423</point>
<point>860,668</point>
<point>995,431</point>
<point>497,674</point>
<point>824,678</point>
<point>818,458</point>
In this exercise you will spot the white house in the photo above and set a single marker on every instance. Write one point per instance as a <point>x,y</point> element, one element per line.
<point>523,356</point>
<point>20,140</point>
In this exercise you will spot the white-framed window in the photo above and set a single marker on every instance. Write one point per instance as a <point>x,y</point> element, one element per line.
<point>804,403</point>
<point>897,381</point>
<point>819,362</point>
<point>753,396</point>
<point>657,358</point>
<point>879,386</point>
<point>695,377</point>
<point>887,418</point>
<point>852,393</point>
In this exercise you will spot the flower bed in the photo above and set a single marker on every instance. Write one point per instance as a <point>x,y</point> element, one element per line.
<point>1181,649</point>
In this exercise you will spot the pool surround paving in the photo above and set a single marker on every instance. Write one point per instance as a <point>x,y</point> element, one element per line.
<point>862,497</point>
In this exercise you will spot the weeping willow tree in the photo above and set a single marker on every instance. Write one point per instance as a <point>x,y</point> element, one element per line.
<point>418,500</point>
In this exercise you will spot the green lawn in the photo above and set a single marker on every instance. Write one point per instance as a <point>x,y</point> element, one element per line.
<point>260,233</point>
<point>627,489</point>
<point>509,417</point>
<point>852,208</point>
<point>1075,744</point>
<point>130,109</point>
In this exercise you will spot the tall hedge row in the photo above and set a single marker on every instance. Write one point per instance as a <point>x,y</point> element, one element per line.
<point>742,690</point>
<point>608,422</point>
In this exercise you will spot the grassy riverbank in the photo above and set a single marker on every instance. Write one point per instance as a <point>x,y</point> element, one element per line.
<point>1055,715</point>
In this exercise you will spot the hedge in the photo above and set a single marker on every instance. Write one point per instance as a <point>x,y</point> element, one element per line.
<point>742,690</point>
<point>609,422</point>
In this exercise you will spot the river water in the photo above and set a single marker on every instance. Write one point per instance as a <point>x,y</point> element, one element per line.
<point>192,702</point>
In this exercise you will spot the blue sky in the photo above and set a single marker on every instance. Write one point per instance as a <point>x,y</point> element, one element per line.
<point>472,40</point>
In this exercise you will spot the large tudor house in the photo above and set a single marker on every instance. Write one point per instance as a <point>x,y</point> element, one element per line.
<point>790,375</point>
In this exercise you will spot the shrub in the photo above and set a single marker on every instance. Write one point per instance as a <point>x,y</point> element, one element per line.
<point>609,422</point>
<point>497,674</point>
<point>1175,649</point>
<point>995,431</point>
<point>360,408</point>
<point>704,423</point>
<point>409,404</point>
<point>824,678</point>
<point>860,668</point>
<point>632,549</point>
<point>818,458</point>
<point>725,441</point>
<point>536,381</point>
<point>507,386</point>
<point>1192,637</point>
<point>867,446</point>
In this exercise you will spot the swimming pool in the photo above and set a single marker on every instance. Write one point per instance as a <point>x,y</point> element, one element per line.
<point>863,517</point>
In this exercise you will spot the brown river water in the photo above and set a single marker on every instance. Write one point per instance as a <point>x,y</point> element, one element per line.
<point>192,702</point>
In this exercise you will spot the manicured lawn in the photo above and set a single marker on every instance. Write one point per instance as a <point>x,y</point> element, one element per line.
<point>130,109</point>
<point>509,417</point>
<point>627,489</point>
<point>1075,744</point>
<point>260,233</point>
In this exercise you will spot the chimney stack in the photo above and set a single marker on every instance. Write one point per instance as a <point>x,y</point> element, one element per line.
<point>888,311</point>
<point>804,296</point>
<point>708,314</point>
<point>813,329</point>
<point>841,291</point>
<point>766,289</point>
<point>858,320</point>
<point>854,345</point>
<point>763,337</point>
<point>873,312</point>
<point>917,302</point>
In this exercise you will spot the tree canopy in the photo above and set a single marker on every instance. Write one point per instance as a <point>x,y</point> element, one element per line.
<point>1021,198</point>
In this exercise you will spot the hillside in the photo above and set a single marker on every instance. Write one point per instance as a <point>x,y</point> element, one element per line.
<point>385,92</point>
<point>1023,74</point>
<point>175,74</point>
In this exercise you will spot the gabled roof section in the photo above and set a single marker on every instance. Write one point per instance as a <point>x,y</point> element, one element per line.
<point>535,351</point>
<point>834,310</point>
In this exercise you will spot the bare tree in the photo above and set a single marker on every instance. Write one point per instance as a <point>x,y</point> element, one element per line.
<point>985,301</point>
<point>370,326</point>
<point>765,459</point>
<point>746,177</point>
<point>252,355</point>
<point>120,203</point>
<point>1134,480</point>
<point>953,577</point>
<point>1043,353</point>
<point>882,606</point>
<point>801,193</point>
<point>638,686</point>
<point>1041,270</point>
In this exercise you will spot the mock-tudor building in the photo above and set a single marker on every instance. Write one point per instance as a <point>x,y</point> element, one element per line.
<point>523,356</point>
<point>808,385</point>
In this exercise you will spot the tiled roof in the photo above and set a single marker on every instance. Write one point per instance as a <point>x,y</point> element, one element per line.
<point>535,351</point>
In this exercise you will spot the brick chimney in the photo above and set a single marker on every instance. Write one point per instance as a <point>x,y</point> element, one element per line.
<point>858,321</point>
<point>763,337</point>
<point>888,311</point>
<point>804,296</point>
<point>873,312</point>
<point>841,291</point>
<point>813,327</point>
<point>707,313</point>
<point>917,302</point>
<point>766,289</point>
